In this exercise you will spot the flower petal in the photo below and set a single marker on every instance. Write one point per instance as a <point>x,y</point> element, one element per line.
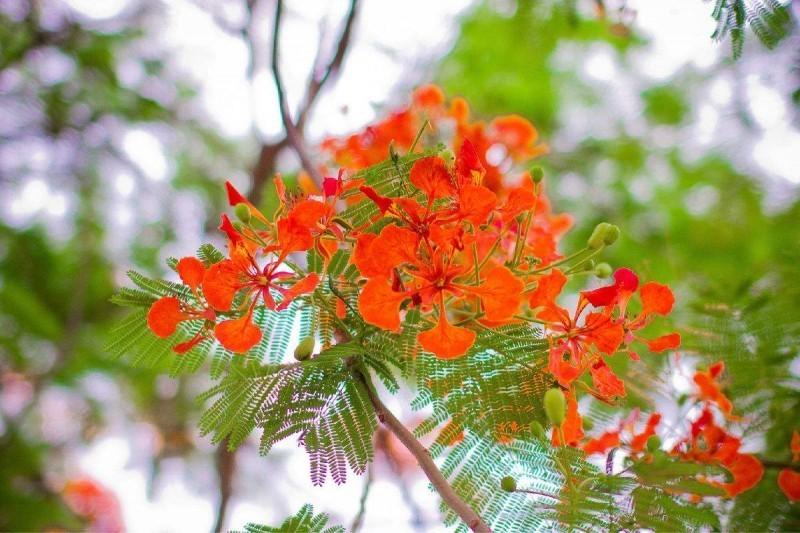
<point>164,316</point>
<point>431,176</point>
<point>601,331</point>
<point>548,287</point>
<point>500,293</point>
<point>789,482</point>
<point>191,270</point>
<point>304,286</point>
<point>220,284</point>
<point>238,335</point>
<point>605,381</point>
<point>603,443</point>
<point>380,305</point>
<point>656,298</point>
<point>475,203</point>
<point>235,198</point>
<point>445,340</point>
<point>666,342</point>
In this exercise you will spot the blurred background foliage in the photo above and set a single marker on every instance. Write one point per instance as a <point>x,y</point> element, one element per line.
<point>627,147</point>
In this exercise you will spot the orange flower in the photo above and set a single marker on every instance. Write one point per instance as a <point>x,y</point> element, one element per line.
<point>241,272</point>
<point>636,442</point>
<point>519,137</point>
<point>711,444</point>
<point>657,299</point>
<point>167,312</point>
<point>603,443</point>
<point>710,390</point>
<point>577,346</point>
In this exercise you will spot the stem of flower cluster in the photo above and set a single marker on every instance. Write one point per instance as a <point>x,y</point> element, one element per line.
<point>423,457</point>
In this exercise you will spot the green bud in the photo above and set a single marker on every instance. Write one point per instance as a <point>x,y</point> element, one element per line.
<point>537,174</point>
<point>598,237</point>
<point>555,406</point>
<point>602,270</point>
<point>393,153</point>
<point>304,349</point>
<point>242,212</point>
<point>653,443</point>
<point>612,234</point>
<point>508,484</point>
<point>588,425</point>
<point>538,430</point>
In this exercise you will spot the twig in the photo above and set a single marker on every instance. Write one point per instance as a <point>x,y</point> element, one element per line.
<point>226,468</point>
<point>358,521</point>
<point>332,70</point>
<point>293,135</point>
<point>423,457</point>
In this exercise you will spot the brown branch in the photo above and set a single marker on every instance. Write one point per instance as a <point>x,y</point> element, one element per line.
<point>265,166</point>
<point>332,70</point>
<point>778,464</point>
<point>293,135</point>
<point>423,457</point>
<point>225,461</point>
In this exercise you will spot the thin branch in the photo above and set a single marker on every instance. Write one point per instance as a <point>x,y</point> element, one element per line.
<point>358,521</point>
<point>292,133</point>
<point>225,462</point>
<point>332,70</point>
<point>423,457</point>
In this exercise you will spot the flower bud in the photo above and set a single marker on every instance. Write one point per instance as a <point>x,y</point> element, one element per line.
<point>602,270</point>
<point>653,443</point>
<point>555,406</point>
<point>242,212</point>
<point>538,431</point>
<point>612,234</point>
<point>598,237</point>
<point>537,174</point>
<point>305,348</point>
<point>508,484</point>
<point>588,425</point>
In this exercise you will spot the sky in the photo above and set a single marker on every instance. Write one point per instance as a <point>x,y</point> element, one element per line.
<point>394,49</point>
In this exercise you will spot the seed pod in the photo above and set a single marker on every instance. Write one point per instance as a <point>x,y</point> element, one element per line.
<point>538,430</point>
<point>508,484</point>
<point>653,443</point>
<point>602,270</point>
<point>611,235</point>
<point>598,237</point>
<point>555,406</point>
<point>242,212</point>
<point>304,349</point>
<point>537,174</point>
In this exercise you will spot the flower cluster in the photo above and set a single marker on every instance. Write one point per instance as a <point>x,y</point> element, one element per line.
<point>470,242</point>
<point>706,442</point>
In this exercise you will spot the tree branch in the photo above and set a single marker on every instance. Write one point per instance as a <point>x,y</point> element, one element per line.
<point>293,135</point>
<point>423,457</point>
<point>332,70</point>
